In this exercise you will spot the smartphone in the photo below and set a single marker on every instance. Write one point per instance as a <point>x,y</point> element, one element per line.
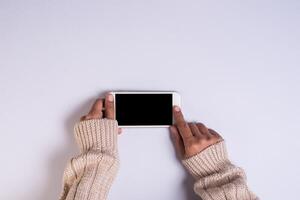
<point>145,108</point>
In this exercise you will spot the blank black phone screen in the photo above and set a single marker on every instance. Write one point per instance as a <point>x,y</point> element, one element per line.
<point>143,109</point>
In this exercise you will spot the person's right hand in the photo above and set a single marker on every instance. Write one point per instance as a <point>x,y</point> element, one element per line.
<point>191,138</point>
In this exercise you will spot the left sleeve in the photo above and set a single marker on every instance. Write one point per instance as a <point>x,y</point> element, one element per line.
<point>89,175</point>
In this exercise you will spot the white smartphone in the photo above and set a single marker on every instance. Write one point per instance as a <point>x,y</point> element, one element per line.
<point>145,108</point>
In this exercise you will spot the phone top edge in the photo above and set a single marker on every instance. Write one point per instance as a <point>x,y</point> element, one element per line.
<point>144,92</point>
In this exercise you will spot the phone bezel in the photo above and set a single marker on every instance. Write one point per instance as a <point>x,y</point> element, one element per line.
<point>176,100</point>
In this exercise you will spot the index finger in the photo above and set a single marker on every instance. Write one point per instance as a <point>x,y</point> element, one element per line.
<point>181,124</point>
<point>96,110</point>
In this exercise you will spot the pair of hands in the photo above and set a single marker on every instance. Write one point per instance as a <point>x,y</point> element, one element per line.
<point>189,138</point>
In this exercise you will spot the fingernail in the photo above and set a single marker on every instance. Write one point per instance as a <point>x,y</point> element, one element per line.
<point>176,108</point>
<point>110,97</point>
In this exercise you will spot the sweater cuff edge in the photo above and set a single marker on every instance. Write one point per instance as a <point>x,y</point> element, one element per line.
<point>100,134</point>
<point>212,159</point>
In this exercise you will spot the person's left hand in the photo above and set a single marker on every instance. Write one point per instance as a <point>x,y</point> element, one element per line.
<point>96,111</point>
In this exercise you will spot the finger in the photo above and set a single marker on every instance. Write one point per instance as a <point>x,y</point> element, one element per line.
<point>96,110</point>
<point>109,107</point>
<point>196,132</point>
<point>177,141</point>
<point>87,117</point>
<point>214,133</point>
<point>204,130</point>
<point>184,129</point>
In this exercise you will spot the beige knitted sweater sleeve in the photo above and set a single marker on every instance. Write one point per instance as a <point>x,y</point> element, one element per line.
<point>90,175</point>
<point>216,178</point>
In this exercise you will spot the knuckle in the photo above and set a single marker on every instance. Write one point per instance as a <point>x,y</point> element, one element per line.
<point>200,124</point>
<point>191,125</point>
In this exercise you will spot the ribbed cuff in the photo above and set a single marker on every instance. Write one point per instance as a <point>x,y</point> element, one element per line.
<point>209,161</point>
<point>98,134</point>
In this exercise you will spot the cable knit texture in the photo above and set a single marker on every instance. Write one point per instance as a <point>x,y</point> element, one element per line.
<point>216,178</point>
<point>89,176</point>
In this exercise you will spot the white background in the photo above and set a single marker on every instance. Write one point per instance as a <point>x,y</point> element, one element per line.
<point>235,63</point>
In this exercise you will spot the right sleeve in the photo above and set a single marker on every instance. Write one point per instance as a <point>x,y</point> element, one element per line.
<point>216,178</point>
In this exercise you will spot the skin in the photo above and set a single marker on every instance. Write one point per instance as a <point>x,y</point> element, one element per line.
<point>96,111</point>
<point>189,138</point>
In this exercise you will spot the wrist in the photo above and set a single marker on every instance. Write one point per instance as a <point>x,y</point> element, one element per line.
<point>97,134</point>
<point>211,160</point>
